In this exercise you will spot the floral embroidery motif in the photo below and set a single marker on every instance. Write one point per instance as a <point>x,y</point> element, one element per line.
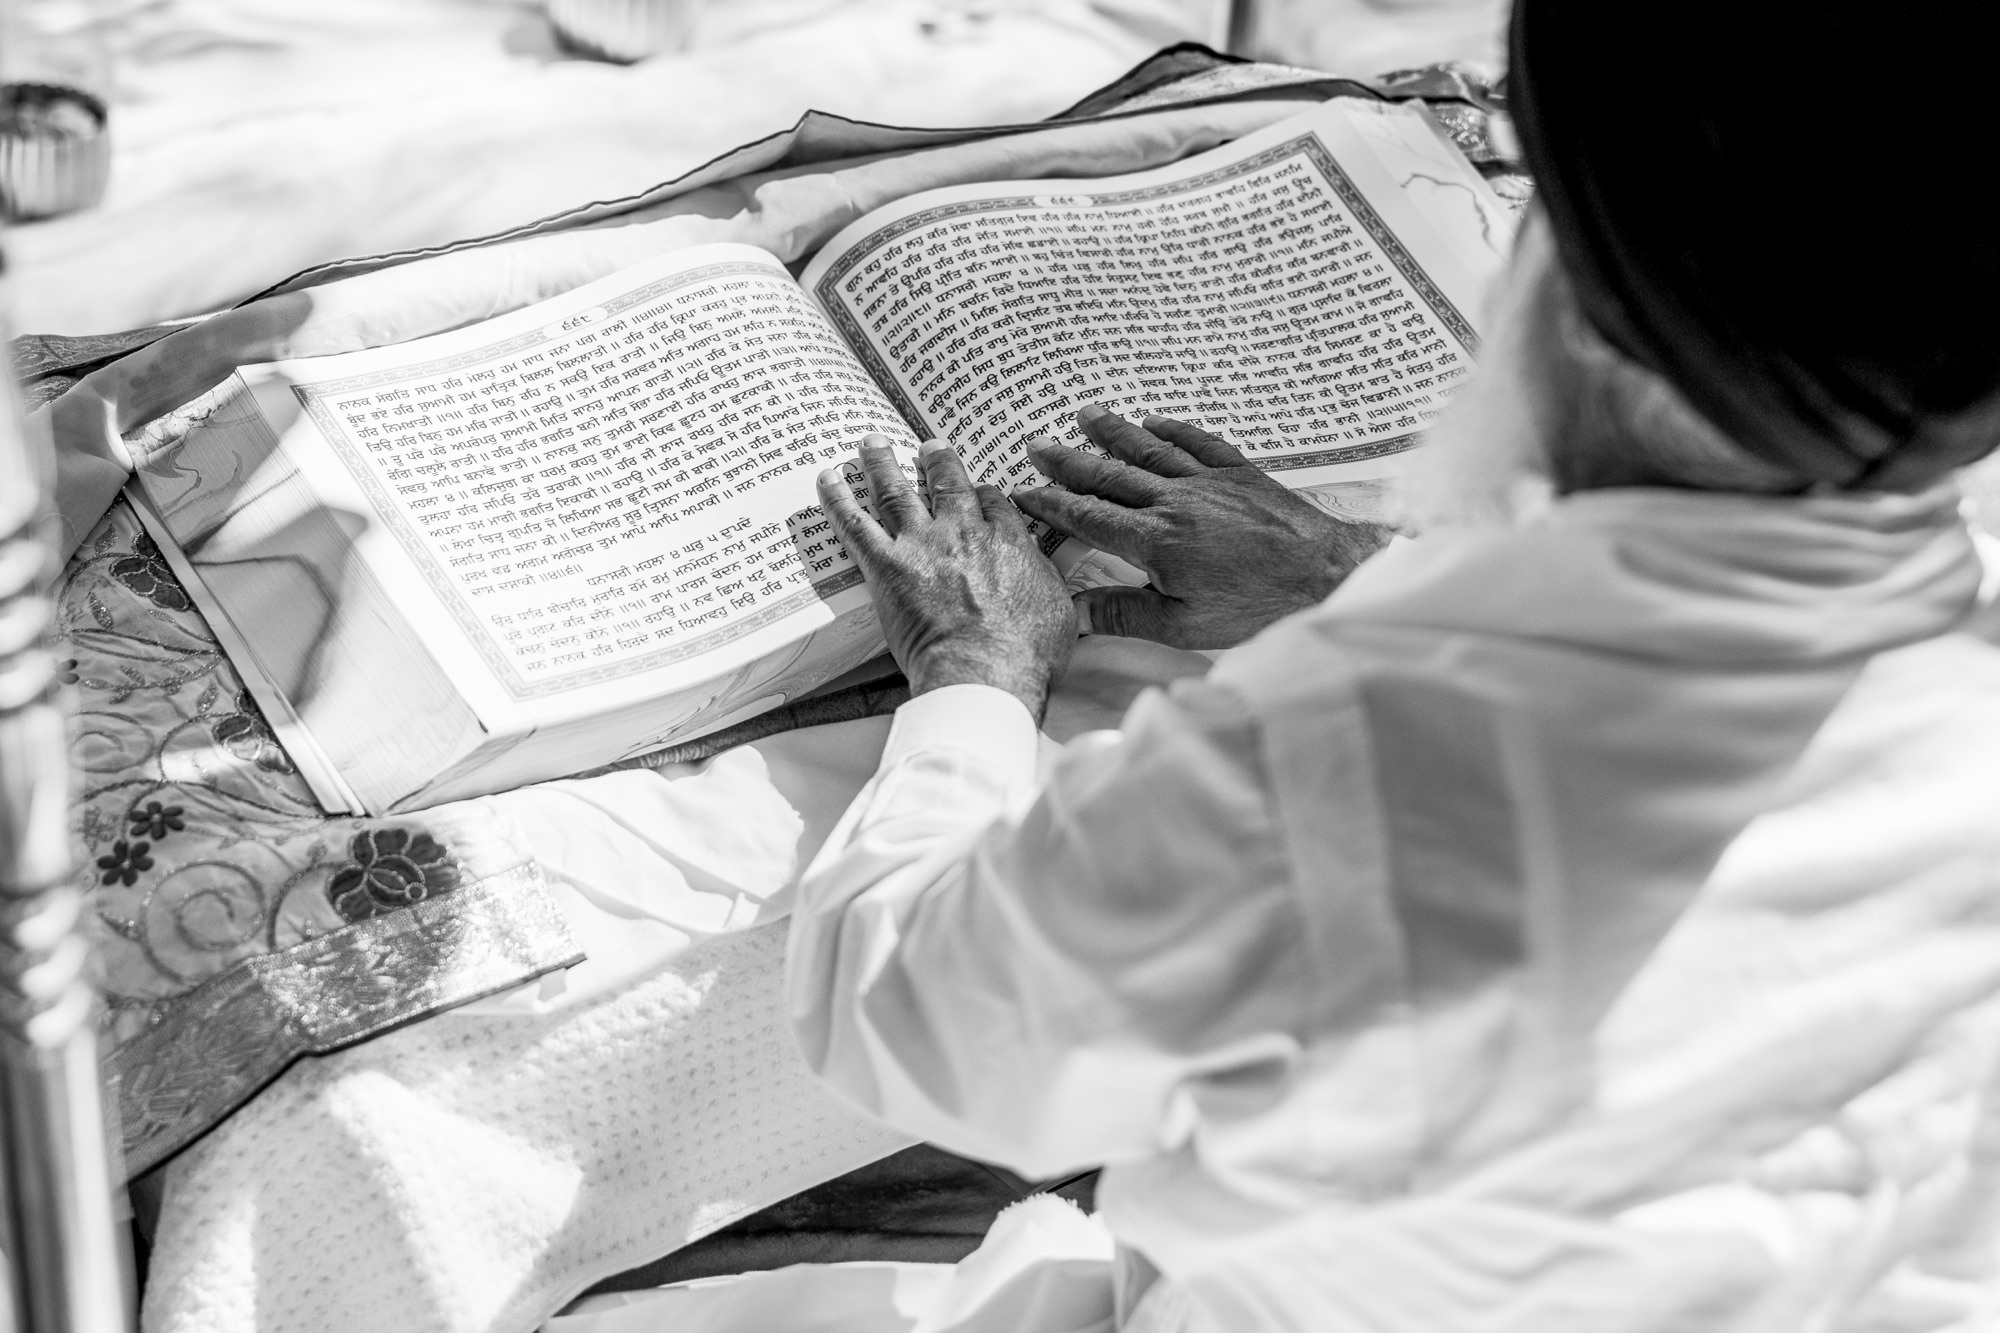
<point>145,572</point>
<point>122,864</point>
<point>156,820</point>
<point>391,868</point>
<point>222,958</point>
<point>246,735</point>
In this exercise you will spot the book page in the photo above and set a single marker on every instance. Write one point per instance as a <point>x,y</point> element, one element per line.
<point>1308,292</point>
<point>612,483</point>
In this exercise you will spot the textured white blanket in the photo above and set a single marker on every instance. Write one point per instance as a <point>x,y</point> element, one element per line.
<point>476,1170</point>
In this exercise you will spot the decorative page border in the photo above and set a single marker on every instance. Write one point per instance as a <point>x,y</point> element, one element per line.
<point>1347,453</point>
<point>448,590</point>
<point>1308,146</point>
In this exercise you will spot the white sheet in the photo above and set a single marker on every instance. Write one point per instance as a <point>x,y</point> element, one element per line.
<point>252,138</point>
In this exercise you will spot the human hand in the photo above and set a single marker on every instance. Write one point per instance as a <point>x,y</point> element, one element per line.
<point>1228,549</point>
<point>964,595</point>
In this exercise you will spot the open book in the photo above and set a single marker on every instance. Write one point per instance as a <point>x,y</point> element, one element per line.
<point>587,529</point>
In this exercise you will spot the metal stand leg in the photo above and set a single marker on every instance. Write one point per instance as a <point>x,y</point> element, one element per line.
<point>1242,28</point>
<point>65,1249</point>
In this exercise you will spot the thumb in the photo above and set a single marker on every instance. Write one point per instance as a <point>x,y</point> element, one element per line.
<point>1137,613</point>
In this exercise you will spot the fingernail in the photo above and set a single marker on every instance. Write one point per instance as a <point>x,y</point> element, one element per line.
<point>828,476</point>
<point>1039,444</point>
<point>932,447</point>
<point>874,442</point>
<point>1082,614</point>
<point>1092,412</point>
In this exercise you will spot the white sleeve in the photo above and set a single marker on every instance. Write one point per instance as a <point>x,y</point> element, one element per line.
<point>1036,975</point>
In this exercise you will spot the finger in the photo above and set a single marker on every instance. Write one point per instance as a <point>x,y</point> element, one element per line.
<point>1107,526</point>
<point>950,484</point>
<point>1135,444</point>
<point>897,504</point>
<point>1136,613</point>
<point>1206,449</point>
<point>862,535</point>
<point>999,510</point>
<point>1092,474</point>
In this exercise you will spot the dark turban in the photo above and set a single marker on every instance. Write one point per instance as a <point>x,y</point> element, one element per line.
<point>1788,209</point>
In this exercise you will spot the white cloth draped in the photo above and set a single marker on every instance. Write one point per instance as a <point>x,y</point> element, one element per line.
<point>254,138</point>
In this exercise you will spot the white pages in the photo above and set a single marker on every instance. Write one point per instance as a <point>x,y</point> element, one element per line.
<point>597,508</point>
<point>1310,291</point>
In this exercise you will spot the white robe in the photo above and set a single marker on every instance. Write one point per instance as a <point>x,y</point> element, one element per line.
<point>1521,939</point>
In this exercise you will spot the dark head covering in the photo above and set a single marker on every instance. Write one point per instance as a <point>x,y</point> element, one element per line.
<point>1787,209</point>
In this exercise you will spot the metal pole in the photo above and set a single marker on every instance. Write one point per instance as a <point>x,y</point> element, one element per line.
<point>1240,33</point>
<point>65,1248</point>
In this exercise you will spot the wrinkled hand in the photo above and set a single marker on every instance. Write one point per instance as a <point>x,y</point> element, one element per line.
<point>964,594</point>
<point>1228,549</point>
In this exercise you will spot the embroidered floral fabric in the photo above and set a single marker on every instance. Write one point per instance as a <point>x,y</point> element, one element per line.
<point>239,926</point>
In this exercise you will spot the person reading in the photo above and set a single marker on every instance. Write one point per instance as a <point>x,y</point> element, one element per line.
<point>1339,955</point>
